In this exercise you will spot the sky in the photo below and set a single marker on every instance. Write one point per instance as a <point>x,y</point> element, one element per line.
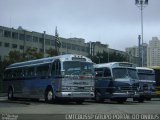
<point>113,22</point>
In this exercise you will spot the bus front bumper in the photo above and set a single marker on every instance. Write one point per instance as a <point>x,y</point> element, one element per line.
<point>124,95</point>
<point>76,94</point>
<point>147,94</point>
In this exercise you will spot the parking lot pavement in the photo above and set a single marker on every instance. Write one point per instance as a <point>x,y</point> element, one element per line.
<point>33,107</point>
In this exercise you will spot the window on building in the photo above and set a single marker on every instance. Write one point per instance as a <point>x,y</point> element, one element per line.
<point>73,47</point>
<point>47,42</point>
<point>14,35</point>
<point>1,32</point>
<point>78,48</point>
<point>63,45</point>
<point>35,39</point>
<point>41,50</point>
<point>83,49</point>
<point>0,43</point>
<point>41,40</point>
<point>29,38</point>
<point>6,44</point>
<point>52,42</point>
<point>7,33</point>
<point>22,36</point>
<point>87,49</point>
<point>14,45</point>
<point>21,47</point>
<point>68,46</point>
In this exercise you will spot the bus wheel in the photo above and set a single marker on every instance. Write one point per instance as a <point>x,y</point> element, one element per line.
<point>98,97</point>
<point>49,96</point>
<point>10,94</point>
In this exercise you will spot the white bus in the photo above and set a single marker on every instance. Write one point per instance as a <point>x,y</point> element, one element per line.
<point>147,83</point>
<point>69,77</point>
<point>116,81</point>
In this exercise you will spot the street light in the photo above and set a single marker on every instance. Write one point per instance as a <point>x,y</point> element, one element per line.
<point>141,4</point>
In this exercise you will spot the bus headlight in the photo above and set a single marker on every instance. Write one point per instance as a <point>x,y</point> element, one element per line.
<point>92,88</point>
<point>66,88</point>
<point>138,88</point>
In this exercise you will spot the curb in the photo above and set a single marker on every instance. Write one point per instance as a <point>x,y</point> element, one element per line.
<point>3,94</point>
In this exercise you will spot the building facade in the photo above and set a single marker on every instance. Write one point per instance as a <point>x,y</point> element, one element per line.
<point>135,54</point>
<point>153,52</point>
<point>20,39</point>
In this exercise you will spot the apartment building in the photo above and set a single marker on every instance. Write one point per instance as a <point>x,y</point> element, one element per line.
<point>136,55</point>
<point>153,52</point>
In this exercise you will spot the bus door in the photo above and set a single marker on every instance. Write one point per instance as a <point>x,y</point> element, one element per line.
<point>103,81</point>
<point>28,81</point>
<point>56,75</point>
<point>41,81</point>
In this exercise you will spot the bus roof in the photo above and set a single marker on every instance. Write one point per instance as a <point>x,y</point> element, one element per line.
<point>145,70</point>
<point>154,67</point>
<point>66,57</point>
<point>114,64</point>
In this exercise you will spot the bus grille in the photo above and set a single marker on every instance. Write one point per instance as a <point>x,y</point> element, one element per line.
<point>129,88</point>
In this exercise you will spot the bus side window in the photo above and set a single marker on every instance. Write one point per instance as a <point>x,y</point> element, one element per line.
<point>43,70</point>
<point>31,72</point>
<point>99,72</point>
<point>107,72</point>
<point>56,67</point>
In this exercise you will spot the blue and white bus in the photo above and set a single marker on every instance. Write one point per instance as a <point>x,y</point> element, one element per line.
<point>116,81</point>
<point>147,83</point>
<point>69,77</point>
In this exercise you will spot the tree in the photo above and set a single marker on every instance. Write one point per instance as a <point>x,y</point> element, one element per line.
<point>111,57</point>
<point>31,53</point>
<point>51,52</point>
<point>15,56</point>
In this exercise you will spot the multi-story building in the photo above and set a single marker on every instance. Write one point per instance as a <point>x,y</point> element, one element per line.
<point>20,39</point>
<point>133,51</point>
<point>135,54</point>
<point>153,52</point>
<point>97,47</point>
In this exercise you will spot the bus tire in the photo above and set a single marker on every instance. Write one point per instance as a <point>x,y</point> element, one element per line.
<point>49,96</point>
<point>10,94</point>
<point>98,97</point>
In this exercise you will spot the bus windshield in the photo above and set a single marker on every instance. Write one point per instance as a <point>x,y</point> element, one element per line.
<point>124,73</point>
<point>78,68</point>
<point>146,76</point>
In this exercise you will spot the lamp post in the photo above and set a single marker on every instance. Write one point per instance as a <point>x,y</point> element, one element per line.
<point>141,4</point>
